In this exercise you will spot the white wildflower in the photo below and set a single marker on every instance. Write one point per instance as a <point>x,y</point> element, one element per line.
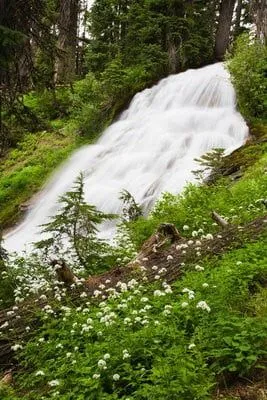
<point>209,236</point>
<point>102,364</point>
<point>96,376</point>
<point>4,325</point>
<point>203,305</point>
<point>55,382</point>
<point>158,293</point>
<point>191,346</point>
<point>40,373</point>
<point>199,268</point>
<point>162,270</point>
<point>16,347</point>
<point>144,299</point>
<point>116,377</point>
<point>184,304</point>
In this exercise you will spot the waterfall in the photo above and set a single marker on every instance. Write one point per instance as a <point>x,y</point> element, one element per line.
<point>149,150</point>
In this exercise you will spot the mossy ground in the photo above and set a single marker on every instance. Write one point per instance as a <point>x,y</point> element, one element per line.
<point>24,169</point>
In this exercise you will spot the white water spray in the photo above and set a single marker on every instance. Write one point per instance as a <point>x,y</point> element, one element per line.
<point>151,149</point>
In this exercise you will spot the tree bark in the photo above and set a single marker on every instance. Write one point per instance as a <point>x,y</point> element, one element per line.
<point>67,41</point>
<point>259,14</point>
<point>219,220</point>
<point>224,28</point>
<point>238,17</point>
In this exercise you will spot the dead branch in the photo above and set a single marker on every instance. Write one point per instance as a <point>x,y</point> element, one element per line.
<point>219,220</point>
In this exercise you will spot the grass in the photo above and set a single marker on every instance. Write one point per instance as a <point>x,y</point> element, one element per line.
<point>24,169</point>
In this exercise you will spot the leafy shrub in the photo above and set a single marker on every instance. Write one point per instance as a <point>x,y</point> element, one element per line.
<point>49,104</point>
<point>248,68</point>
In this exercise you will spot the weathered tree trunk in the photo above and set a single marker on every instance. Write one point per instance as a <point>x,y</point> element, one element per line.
<point>224,28</point>
<point>259,15</point>
<point>172,56</point>
<point>238,12</point>
<point>67,41</point>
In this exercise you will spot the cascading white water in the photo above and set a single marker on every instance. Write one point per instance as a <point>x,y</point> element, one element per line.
<point>151,149</point>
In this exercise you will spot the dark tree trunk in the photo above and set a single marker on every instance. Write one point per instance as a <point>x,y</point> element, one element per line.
<point>238,18</point>
<point>67,41</point>
<point>224,28</point>
<point>259,15</point>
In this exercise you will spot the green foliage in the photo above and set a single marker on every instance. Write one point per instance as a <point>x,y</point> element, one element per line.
<point>193,207</point>
<point>142,345</point>
<point>153,341</point>
<point>162,36</point>
<point>96,101</point>
<point>25,168</point>
<point>75,225</point>
<point>7,279</point>
<point>210,162</point>
<point>49,104</point>
<point>248,67</point>
<point>131,210</point>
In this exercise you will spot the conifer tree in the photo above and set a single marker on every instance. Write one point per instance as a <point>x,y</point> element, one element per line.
<point>75,227</point>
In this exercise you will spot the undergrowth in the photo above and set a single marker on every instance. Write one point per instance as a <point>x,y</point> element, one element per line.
<point>24,169</point>
<point>156,341</point>
<point>153,341</point>
<point>190,211</point>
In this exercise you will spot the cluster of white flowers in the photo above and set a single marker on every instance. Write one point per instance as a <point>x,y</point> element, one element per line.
<point>40,373</point>
<point>203,305</point>
<point>16,347</point>
<point>169,257</point>
<point>191,346</point>
<point>125,354</point>
<point>102,364</point>
<point>209,236</point>
<point>199,268</point>
<point>167,309</point>
<point>159,293</point>
<point>190,293</point>
<point>54,382</point>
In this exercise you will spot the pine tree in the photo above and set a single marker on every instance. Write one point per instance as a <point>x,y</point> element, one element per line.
<point>75,227</point>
